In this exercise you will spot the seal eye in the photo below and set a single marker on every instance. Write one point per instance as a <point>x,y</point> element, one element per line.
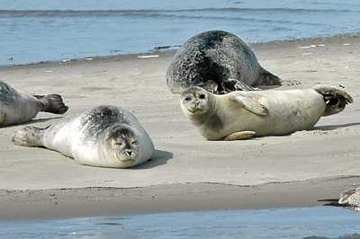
<point>202,96</point>
<point>134,142</point>
<point>119,143</point>
<point>188,98</point>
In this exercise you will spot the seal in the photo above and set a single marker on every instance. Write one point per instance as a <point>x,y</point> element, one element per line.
<point>245,114</point>
<point>219,62</point>
<point>17,108</point>
<point>350,199</point>
<point>105,136</point>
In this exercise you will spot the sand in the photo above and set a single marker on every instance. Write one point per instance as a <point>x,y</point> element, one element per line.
<point>187,172</point>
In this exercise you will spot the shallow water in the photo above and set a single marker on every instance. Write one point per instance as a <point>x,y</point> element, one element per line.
<point>316,222</point>
<point>41,30</point>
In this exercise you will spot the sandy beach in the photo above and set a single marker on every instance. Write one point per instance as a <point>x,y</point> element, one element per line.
<point>187,172</point>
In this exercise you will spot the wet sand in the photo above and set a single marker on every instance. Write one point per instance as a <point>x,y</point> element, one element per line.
<point>187,172</point>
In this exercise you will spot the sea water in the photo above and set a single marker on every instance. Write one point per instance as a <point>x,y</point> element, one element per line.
<point>42,30</point>
<point>310,223</point>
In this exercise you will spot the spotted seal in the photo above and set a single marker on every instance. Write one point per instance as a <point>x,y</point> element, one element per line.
<point>350,199</point>
<point>17,108</point>
<point>105,136</point>
<point>245,114</point>
<point>219,62</point>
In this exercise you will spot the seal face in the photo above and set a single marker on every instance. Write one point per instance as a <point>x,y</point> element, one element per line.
<point>219,62</point>
<point>105,136</point>
<point>196,100</point>
<point>243,115</point>
<point>16,108</point>
<point>123,143</point>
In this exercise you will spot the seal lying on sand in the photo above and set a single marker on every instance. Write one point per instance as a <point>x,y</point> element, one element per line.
<point>106,136</point>
<point>17,108</point>
<point>351,199</point>
<point>245,114</point>
<point>219,62</point>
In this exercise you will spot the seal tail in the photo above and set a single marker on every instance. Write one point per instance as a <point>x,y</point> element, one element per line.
<point>267,78</point>
<point>335,99</point>
<point>29,136</point>
<point>52,103</point>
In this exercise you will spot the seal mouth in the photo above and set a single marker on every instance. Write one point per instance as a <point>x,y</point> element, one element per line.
<point>193,109</point>
<point>196,110</point>
<point>126,156</point>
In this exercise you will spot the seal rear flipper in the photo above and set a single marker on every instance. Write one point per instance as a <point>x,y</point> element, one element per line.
<point>267,79</point>
<point>335,99</point>
<point>239,85</point>
<point>29,136</point>
<point>52,103</point>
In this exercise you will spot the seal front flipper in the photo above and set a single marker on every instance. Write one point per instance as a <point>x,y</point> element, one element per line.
<point>250,103</point>
<point>240,135</point>
<point>29,136</point>
<point>52,103</point>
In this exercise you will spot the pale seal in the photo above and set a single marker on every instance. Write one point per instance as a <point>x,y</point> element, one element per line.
<point>219,62</point>
<point>245,114</point>
<point>350,199</point>
<point>17,108</point>
<point>105,136</point>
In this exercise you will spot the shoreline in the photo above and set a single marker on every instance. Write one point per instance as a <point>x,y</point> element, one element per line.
<point>161,51</point>
<point>294,170</point>
<point>101,201</point>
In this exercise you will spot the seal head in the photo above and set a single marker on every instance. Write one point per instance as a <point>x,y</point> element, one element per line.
<point>196,100</point>
<point>121,144</point>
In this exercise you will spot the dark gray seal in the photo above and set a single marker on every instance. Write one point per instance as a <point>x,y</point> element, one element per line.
<point>219,62</point>
<point>17,108</point>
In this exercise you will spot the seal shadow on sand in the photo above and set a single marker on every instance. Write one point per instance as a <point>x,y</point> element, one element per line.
<point>333,127</point>
<point>160,157</point>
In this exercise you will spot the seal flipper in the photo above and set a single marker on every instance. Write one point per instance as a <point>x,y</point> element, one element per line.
<point>250,103</point>
<point>52,103</point>
<point>240,135</point>
<point>335,99</point>
<point>344,196</point>
<point>29,136</point>
<point>239,85</point>
<point>267,79</point>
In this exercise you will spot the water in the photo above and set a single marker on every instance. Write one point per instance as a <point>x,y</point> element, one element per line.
<point>42,30</point>
<point>317,222</point>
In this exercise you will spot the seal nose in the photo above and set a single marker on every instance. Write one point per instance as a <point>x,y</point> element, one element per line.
<point>129,153</point>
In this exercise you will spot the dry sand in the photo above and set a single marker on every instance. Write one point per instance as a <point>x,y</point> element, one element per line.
<point>187,172</point>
